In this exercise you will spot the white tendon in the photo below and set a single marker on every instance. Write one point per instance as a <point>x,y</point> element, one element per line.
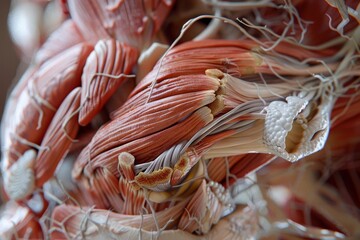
<point>19,179</point>
<point>281,118</point>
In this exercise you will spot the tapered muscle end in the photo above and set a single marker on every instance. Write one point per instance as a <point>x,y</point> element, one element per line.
<point>44,92</point>
<point>218,105</point>
<point>205,114</point>
<point>126,165</point>
<point>56,78</point>
<point>17,137</point>
<point>160,176</point>
<point>80,163</point>
<point>86,49</point>
<point>216,73</point>
<point>61,73</point>
<point>12,103</point>
<point>58,138</point>
<point>126,159</point>
<point>87,114</point>
<point>105,70</point>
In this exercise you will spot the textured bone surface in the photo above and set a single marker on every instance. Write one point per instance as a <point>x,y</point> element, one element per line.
<point>19,181</point>
<point>281,118</point>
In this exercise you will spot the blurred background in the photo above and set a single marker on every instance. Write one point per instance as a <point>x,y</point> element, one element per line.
<point>8,58</point>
